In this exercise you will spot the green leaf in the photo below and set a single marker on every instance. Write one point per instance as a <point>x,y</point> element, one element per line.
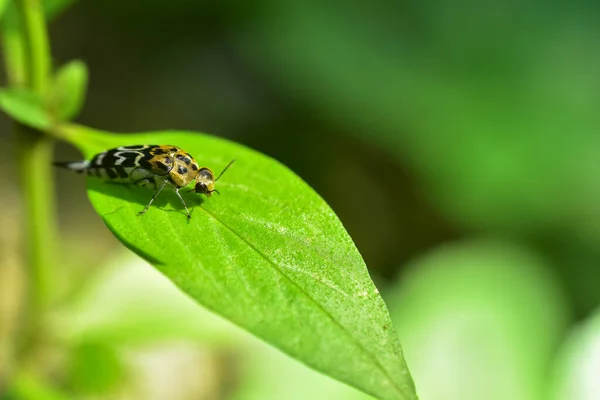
<point>26,107</point>
<point>134,307</point>
<point>68,91</point>
<point>268,254</point>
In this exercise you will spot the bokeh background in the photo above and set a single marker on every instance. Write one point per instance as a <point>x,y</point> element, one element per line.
<point>458,143</point>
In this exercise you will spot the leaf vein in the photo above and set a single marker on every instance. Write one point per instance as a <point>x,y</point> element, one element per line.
<point>357,343</point>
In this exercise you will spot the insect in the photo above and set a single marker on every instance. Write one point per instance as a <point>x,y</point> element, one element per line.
<point>158,165</point>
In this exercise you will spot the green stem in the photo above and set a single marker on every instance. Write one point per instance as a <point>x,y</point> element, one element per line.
<point>37,183</point>
<point>36,43</point>
<point>15,58</point>
<point>29,62</point>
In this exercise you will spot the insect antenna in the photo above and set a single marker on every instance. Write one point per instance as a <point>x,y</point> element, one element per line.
<point>225,169</point>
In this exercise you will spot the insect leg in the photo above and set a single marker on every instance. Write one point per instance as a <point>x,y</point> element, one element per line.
<point>153,197</point>
<point>184,205</point>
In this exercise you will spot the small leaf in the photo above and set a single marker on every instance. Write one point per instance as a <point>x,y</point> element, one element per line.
<point>26,107</point>
<point>69,89</point>
<point>268,254</point>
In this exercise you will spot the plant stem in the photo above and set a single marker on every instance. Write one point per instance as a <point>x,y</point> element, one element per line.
<point>34,159</point>
<point>34,155</point>
<point>13,45</point>
<point>36,43</point>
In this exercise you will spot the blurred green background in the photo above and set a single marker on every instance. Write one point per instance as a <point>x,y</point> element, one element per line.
<point>458,143</point>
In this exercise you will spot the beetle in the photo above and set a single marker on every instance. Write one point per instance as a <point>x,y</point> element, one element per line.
<point>159,165</point>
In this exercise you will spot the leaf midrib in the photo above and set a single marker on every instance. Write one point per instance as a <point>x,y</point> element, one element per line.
<point>357,343</point>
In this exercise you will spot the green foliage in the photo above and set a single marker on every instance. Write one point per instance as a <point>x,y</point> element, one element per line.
<point>484,129</point>
<point>28,387</point>
<point>95,368</point>
<point>133,307</point>
<point>268,254</point>
<point>68,90</point>
<point>25,106</point>
<point>474,103</point>
<point>497,315</point>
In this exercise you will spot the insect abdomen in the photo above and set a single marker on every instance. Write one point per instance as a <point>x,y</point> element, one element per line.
<point>116,172</point>
<point>77,166</point>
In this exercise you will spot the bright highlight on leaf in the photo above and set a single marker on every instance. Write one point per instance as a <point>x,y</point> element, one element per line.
<point>268,253</point>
